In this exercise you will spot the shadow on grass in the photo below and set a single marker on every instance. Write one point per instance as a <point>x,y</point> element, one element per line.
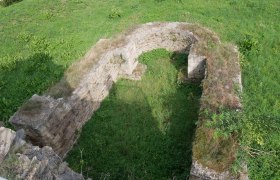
<point>140,135</point>
<point>6,3</point>
<point>23,78</point>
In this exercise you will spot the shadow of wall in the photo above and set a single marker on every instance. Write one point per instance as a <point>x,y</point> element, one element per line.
<point>22,78</point>
<point>124,138</point>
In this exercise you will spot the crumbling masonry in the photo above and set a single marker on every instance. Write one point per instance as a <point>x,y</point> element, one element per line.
<point>55,119</point>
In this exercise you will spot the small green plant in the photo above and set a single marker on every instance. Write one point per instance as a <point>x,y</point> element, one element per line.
<point>229,122</point>
<point>244,63</point>
<point>247,44</point>
<point>115,13</point>
<point>225,123</point>
<point>49,15</point>
<point>25,37</point>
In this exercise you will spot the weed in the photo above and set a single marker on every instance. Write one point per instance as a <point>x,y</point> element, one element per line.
<point>248,43</point>
<point>225,123</point>
<point>115,13</point>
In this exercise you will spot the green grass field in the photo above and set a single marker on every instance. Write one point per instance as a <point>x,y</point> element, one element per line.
<point>40,39</point>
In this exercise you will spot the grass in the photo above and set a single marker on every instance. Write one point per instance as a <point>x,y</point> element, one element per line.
<point>64,30</point>
<point>144,128</point>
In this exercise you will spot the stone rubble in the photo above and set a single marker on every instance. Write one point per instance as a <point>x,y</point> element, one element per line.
<point>27,162</point>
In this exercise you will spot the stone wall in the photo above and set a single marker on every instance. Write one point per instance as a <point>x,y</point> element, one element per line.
<point>21,160</point>
<point>56,122</point>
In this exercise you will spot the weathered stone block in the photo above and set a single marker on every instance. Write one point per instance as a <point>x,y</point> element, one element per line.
<point>196,67</point>
<point>6,139</point>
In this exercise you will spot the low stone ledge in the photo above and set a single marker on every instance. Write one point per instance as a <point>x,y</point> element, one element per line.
<point>198,171</point>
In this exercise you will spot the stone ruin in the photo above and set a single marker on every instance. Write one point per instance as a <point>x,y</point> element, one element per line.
<point>52,122</point>
<point>28,162</point>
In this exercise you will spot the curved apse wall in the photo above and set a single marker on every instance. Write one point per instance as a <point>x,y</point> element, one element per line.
<point>56,118</point>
